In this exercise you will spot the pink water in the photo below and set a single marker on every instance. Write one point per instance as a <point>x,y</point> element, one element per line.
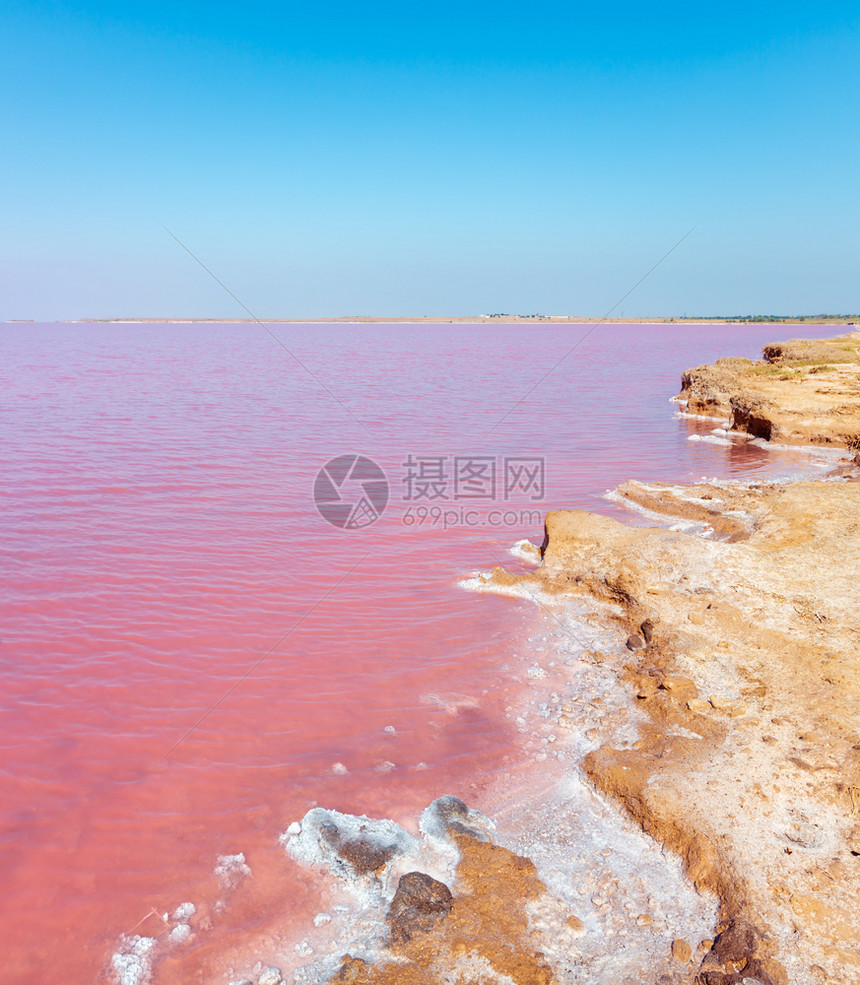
<point>164,567</point>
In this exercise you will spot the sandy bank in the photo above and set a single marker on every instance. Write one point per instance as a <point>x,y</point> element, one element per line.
<point>744,639</point>
<point>751,646</point>
<point>802,392</point>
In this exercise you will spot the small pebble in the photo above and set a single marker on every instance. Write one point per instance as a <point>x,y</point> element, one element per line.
<point>321,918</point>
<point>576,926</point>
<point>681,951</point>
<point>270,976</point>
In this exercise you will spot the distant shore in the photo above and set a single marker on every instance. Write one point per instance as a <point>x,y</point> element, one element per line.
<point>477,319</point>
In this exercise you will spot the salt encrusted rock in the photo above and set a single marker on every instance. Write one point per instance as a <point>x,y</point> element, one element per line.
<point>419,903</point>
<point>270,976</point>
<point>322,918</point>
<point>349,845</point>
<point>449,815</point>
<point>180,934</point>
<point>184,912</point>
<point>132,963</point>
<point>231,869</point>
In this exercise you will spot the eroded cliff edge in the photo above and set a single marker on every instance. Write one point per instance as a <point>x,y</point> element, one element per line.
<point>803,392</point>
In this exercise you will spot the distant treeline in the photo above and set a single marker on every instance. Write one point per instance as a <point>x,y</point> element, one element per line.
<point>781,318</point>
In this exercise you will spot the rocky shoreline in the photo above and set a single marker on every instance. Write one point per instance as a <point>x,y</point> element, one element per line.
<point>803,392</point>
<point>747,648</point>
<point>743,653</point>
<point>741,638</point>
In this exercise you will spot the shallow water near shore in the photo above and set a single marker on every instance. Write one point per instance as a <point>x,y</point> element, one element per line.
<point>193,657</point>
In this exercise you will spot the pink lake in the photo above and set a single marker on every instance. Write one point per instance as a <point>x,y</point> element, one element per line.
<point>188,648</point>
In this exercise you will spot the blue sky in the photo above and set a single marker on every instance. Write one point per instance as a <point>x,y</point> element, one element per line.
<point>438,159</point>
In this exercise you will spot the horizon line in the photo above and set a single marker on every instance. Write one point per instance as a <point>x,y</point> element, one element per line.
<point>444,319</point>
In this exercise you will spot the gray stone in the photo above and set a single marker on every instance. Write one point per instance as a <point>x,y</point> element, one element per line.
<point>420,902</point>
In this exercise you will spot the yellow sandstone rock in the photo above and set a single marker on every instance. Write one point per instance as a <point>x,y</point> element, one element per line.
<point>681,951</point>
